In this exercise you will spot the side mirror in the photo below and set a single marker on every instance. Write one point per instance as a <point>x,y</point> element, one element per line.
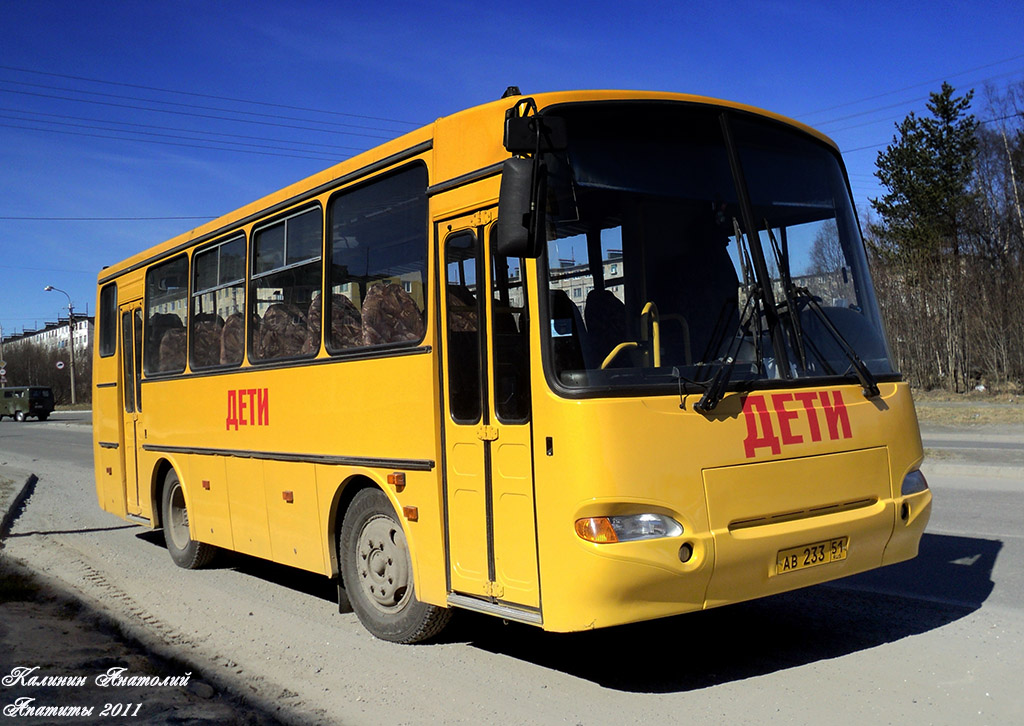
<point>521,211</point>
<point>529,134</point>
<point>524,180</point>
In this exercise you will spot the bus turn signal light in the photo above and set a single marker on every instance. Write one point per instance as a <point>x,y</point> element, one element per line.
<point>596,529</point>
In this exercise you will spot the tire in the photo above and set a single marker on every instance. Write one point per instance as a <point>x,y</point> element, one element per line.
<point>377,573</point>
<point>43,416</point>
<point>185,551</point>
<point>19,416</point>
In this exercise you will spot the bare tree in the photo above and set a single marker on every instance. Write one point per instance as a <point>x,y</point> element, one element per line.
<point>30,364</point>
<point>826,252</point>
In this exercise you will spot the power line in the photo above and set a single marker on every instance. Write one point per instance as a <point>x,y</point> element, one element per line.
<point>889,118</point>
<point>91,219</point>
<point>910,88</point>
<point>166,136</point>
<point>896,118</point>
<point>206,95</point>
<point>890,106</point>
<point>45,269</point>
<point>980,123</point>
<point>900,104</point>
<point>310,110</point>
<point>173,128</point>
<point>190,105</point>
<point>332,160</point>
<point>192,114</point>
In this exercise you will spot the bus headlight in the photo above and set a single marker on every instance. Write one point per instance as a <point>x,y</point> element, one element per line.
<point>627,528</point>
<point>913,483</point>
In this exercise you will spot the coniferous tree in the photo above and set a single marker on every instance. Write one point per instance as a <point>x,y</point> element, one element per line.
<point>927,173</point>
<point>924,226</point>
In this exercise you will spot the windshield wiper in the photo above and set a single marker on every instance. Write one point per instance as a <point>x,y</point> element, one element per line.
<point>793,294</point>
<point>864,375</point>
<point>751,312</point>
<point>789,292</point>
<point>715,387</point>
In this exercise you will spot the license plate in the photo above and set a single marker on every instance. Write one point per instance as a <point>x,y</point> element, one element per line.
<point>811,555</point>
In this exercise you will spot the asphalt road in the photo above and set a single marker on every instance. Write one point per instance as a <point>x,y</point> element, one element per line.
<point>939,640</point>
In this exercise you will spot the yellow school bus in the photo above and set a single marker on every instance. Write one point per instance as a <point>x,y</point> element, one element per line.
<point>575,360</point>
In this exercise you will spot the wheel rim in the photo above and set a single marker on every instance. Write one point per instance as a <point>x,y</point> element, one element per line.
<point>177,518</point>
<point>383,564</point>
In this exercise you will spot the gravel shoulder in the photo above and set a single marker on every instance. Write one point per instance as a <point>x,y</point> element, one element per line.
<point>62,661</point>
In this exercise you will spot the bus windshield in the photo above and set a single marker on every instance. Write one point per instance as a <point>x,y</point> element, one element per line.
<point>684,243</point>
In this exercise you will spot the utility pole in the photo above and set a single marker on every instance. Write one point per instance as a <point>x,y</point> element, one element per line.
<point>71,336</point>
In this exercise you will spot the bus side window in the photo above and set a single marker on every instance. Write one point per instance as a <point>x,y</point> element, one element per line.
<point>378,268</point>
<point>464,344</point>
<point>108,320</point>
<point>510,333</point>
<point>287,256</point>
<point>218,294</point>
<point>166,310</point>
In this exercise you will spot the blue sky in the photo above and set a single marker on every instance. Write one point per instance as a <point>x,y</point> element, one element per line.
<point>850,69</point>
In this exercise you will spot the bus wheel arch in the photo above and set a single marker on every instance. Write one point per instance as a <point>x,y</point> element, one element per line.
<point>184,551</point>
<point>343,497</point>
<point>376,568</point>
<point>156,490</point>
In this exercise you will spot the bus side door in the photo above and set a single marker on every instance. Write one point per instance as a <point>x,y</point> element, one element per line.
<point>131,399</point>
<point>491,523</point>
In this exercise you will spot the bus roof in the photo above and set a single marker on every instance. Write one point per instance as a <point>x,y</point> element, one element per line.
<point>488,116</point>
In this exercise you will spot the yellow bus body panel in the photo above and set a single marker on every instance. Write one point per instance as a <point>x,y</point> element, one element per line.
<point>269,481</point>
<point>648,455</point>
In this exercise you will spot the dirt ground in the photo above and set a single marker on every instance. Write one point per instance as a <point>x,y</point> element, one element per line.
<point>45,636</point>
<point>57,653</point>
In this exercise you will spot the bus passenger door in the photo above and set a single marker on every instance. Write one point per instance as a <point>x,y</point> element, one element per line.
<point>131,399</point>
<point>491,525</point>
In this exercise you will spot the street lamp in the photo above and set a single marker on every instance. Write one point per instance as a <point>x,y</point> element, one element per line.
<point>71,335</point>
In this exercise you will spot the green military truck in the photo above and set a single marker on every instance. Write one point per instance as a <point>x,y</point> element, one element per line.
<point>23,401</point>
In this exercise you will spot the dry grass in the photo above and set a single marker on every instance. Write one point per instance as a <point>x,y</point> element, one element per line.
<point>933,455</point>
<point>969,409</point>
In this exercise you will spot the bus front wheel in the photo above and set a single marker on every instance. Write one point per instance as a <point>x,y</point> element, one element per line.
<point>377,573</point>
<point>185,551</point>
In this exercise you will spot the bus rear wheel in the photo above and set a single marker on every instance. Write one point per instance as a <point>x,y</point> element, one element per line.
<point>185,551</point>
<point>377,572</point>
